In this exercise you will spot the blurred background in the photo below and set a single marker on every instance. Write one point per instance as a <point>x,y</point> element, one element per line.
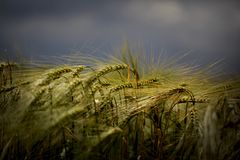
<point>208,30</point>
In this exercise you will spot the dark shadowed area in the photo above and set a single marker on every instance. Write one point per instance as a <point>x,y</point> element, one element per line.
<point>39,28</point>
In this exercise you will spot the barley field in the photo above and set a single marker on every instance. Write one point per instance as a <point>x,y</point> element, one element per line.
<point>126,107</point>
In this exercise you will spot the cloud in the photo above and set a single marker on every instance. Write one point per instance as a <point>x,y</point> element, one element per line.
<point>208,28</point>
<point>64,26</point>
<point>157,11</point>
<point>197,25</point>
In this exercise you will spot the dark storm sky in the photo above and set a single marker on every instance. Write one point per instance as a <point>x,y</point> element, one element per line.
<point>50,27</point>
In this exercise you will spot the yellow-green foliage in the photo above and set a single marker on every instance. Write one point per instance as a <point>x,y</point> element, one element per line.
<point>119,110</point>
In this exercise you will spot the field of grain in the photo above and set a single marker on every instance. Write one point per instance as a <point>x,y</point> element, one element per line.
<point>127,107</point>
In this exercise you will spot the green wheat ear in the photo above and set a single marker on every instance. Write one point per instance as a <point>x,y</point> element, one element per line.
<point>74,84</point>
<point>78,70</point>
<point>194,117</point>
<point>38,97</point>
<point>196,100</point>
<point>104,71</point>
<point>54,75</point>
<point>121,87</point>
<point>7,89</point>
<point>147,82</point>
